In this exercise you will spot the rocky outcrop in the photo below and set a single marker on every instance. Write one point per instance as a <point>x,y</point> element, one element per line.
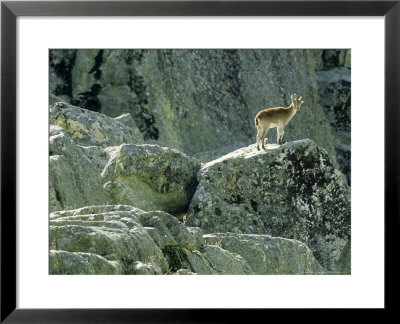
<point>150,177</point>
<point>267,254</point>
<point>202,102</point>
<point>74,179</point>
<point>89,128</point>
<point>290,191</point>
<point>121,203</point>
<point>111,232</point>
<point>122,239</point>
<point>86,168</point>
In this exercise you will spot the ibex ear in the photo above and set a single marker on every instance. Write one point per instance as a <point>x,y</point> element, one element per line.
<point>300,97</point>
<point>291,97</point>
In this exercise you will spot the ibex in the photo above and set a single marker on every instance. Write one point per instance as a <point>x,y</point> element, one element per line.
<point>277,117</point>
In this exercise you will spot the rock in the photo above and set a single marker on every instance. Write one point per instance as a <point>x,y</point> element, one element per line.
<point>99,156</point>
<point>60,69</point>
<point>336,58</point>
<point>139,242</point>
<point>111,232</point>
<point>120,239</point>
<point>84,73</point>
<point>146,269</point>
<point>151,177</point>
<point>343,264</point>
<point>260,211</point>
<point>63,263</point>
<point>197,234</point>
<point>74,180</point>
<point>210,260</point>
<point>290,191</point>
<point>89,128</point>
<point>184,272</point>
<point>127,120</point>
<point>167,231</point>
<point>192,261</point>
<point>54,99</point>
<point>184,99</point>
<point>225,262</point>
<point>334,88</point>
<point>268,255</point>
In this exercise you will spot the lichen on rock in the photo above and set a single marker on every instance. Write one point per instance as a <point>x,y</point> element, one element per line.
<point>151,177</point>
<point>268,255</point>
<point>90,128</point>
<point>124,200</point>
<point>112,233</point>
<point>290,191</point>
<point>74,180</point>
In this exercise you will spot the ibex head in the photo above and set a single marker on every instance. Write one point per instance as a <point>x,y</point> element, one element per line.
<point>296,102</point>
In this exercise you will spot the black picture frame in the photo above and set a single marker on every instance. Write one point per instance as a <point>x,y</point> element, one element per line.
<point>10,10</point>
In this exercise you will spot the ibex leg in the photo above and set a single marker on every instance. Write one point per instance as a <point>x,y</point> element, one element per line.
<point>258,137</point>
<point>264,134</point>
<point>279,131</point>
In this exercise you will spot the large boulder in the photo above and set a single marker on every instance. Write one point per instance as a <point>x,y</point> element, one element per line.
<point>90,128</point>
<point>74,179</point>
<point>151,177</point>
<point>91,163</point>
<point>290,191</point>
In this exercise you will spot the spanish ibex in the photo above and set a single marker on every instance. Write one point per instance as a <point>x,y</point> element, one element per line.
<point>277,117</point>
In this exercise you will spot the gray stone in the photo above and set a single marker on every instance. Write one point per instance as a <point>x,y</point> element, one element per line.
<point>225,262</point>
<point>193,261</point>
<point>78,263</point>
<point>290,191</point>
<point>268,255</point>
<point>127,120</point>
<point>90,128</point>
<point>74,180</point>
<point>184,99</point>
<point>334,88</point>
<point>151,177</point>
<point>167,231</point>
<point>111,232</point>
<point>184,272</point>
<point>197,234</point>
<point>140,268</point>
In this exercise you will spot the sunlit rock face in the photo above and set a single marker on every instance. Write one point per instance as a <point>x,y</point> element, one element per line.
<point>153,167</point>
<point>290,191</point>
<point>203,102</point>
<point>151,177</point>
<point>74,179</point>
<point>89,128</point>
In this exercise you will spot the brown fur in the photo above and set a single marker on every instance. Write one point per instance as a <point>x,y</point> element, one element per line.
<point>277,117</point>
